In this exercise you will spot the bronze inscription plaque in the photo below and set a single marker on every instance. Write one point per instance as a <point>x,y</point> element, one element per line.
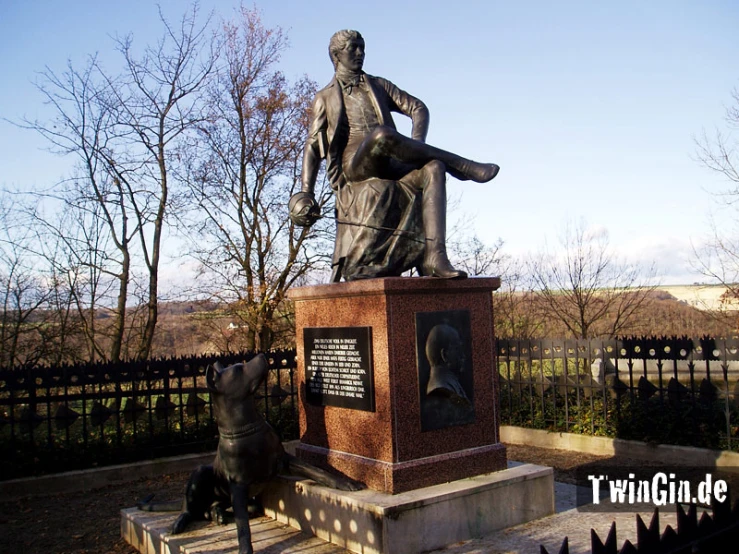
<point>338,367</point>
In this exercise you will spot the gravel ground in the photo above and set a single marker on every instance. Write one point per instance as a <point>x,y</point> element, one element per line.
<point>89,522</point>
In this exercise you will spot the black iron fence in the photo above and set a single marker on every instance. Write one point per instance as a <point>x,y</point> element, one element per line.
<point>667,390</point>
<point>79,416</point>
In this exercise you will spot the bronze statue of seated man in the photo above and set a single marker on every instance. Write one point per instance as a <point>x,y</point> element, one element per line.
<point>390,189</point>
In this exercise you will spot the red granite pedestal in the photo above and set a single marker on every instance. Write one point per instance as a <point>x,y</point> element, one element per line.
<point>386,448</point>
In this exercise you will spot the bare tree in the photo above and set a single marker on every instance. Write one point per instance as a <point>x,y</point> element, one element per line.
<point>156,107</point>
<point>587,288</point>
<point>37,322</point>
<point>720,152</point>
<point>124,130</point>
<point>513,302</point>
<point>243,168</point>
<point>475,257</point>
<point>84,126</point>
<point>77,246</point>
<point>719,258</point>
<point>22,298</point>
<point>60,329</point>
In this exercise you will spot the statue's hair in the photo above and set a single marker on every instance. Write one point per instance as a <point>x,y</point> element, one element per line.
<point>337,42</point>
<point>441,338</point>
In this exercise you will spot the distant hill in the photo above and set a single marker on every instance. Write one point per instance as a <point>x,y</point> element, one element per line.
<point>703,297</point>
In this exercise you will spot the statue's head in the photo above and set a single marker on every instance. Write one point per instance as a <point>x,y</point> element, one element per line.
<point>444,348</point>
<point>338,46</point>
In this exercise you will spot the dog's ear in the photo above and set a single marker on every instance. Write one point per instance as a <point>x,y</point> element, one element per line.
<point>256,371</point>
<point>212,374</point>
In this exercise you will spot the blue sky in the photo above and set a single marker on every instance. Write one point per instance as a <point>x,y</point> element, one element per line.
<point>590,108</point>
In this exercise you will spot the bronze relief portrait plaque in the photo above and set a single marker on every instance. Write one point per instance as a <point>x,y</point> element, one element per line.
<point>444,361</point>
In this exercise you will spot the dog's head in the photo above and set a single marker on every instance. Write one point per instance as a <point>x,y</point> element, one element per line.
<point>238,380</point>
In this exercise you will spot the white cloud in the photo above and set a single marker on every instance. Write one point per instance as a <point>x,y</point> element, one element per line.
<point>671,256</point>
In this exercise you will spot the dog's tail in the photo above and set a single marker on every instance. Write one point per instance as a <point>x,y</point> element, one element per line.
<point>296,466</point>
<point>147,505</point>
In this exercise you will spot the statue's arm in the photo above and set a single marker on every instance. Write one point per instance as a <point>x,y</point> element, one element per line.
<point>316,145</point>
<point>411,106</point>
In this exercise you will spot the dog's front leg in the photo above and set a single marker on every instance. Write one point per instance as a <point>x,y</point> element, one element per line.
<point>240,503</point>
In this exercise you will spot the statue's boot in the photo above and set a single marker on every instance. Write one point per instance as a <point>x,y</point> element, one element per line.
<point>468,170</point>
<point>457,166</point>
<point>390,143</point>
<point>435,260</point>
<point>436,264</point>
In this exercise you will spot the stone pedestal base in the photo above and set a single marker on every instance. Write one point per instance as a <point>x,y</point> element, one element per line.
<point>398,447</point>
<point>412,474</point>
<point>370,522</point>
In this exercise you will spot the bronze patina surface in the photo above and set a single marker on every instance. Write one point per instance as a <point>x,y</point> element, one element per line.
<point>390,189</point>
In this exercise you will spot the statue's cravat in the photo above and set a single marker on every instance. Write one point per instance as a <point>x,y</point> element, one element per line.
<point>348,82</point>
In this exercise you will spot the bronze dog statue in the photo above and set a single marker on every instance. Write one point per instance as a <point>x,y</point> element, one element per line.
<point>249,456</point>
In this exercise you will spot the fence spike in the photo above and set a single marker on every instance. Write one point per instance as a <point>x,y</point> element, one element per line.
<point>629,548</point>
<point>617,386</point>
<point>669,539</point>
<point>277,394</point>
<point>563,549</point>
<point>721,510</point>
<point>676,392</point>
<point>654,523</point>
<point>609,547</point>
<point>194,404</point>
<point>132,410</point>
<point>706,524</point>
<point>29,419</point>
<point>646,539</point>
<point>596,545</point>
<point>588,385</point>
<point>611,539</point>
<point>164,407</point>
<point>646,388</point>
<point>65,416</point>
<point>99,414</point>
<point>542,383</point>
<point>707,392</point>
<point>686,523</point>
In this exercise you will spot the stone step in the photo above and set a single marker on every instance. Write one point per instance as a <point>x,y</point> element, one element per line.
<point>149,533</point>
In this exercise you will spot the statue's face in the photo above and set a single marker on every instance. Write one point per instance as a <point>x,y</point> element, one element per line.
<point>351,57</point>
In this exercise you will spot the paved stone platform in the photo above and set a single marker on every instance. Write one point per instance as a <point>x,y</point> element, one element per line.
<point>550,531</point>
<point>272,537</point>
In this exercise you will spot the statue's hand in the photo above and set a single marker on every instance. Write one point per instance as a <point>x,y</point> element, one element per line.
<point>303,209</point>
